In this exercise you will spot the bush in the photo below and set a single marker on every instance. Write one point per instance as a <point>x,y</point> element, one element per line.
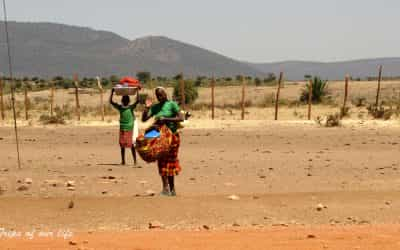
<point>344,111</point>
<point>332,120</point>
<point>380,112</point>
<point>142,98</point>
<point>191,92</point>
<point>359,101</point>
<point>319,90</point>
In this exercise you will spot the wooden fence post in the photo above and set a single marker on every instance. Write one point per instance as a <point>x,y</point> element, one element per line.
<point>102,108</point>
<point>52,98</point>
<point>26,101</point>
<point>277,95</point>
<point>310,94</point>
<point>2,100</point>
<point>78,108</point>
<point>346,93</point>
<point>243,96</point>
<point>378,91</point>
<point>182,87</point>
<point>212,98</point>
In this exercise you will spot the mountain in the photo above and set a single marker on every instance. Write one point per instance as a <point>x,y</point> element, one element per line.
<point>295,70</point>
<point>48,49</point>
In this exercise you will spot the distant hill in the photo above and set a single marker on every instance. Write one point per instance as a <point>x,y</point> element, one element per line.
<point>49,49</point>
<point>295,70</point>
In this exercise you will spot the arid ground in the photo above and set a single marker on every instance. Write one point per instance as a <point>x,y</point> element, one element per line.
<point>245,185</point>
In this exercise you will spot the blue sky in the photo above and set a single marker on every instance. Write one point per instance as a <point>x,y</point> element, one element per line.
<point>252,30</point>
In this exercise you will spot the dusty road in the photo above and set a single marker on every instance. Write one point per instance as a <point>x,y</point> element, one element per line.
<point>281,173</point>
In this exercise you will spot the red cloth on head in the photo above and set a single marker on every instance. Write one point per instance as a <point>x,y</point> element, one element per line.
<point>132,82</point>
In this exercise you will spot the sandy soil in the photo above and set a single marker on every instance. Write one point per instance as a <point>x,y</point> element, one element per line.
<point>290,178</point>
<point>275,238</point>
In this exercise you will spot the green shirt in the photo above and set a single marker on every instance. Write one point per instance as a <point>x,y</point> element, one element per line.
<point>169,109</point>
<point>126,116</point>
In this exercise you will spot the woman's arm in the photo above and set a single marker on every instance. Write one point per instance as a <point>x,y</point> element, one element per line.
<point>145,114</point>
<point>178,118</point>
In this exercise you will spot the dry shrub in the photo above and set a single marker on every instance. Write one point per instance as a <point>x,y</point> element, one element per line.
<point>48,119</point>
<point>332,120</point>
<point>380,112</point>
<point>344,111</point>
<point>359,101</point>
<point>61,114</point>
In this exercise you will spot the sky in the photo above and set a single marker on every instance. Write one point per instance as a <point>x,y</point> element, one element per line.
<point>251,30</point>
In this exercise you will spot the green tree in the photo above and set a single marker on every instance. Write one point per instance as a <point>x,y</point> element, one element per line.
<point>144,76</point>
<point>178,77</point>
<point>114,79</point>
<point>191,93</point>
<point>319,90</point>
<point>257,81</point>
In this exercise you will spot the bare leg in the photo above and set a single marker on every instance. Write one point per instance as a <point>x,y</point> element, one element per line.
<point>171,182</point>
<point>122,156</point>
<point>134,154</point>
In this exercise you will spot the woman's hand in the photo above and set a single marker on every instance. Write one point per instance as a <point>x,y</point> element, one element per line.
<point>160,120</point>
<point>148,103</point>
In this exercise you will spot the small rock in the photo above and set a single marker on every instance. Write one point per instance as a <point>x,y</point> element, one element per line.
<point>28,181</point>
<point>73,243</point>
<point>53,183</point>
<point>111,177</point>
<point>388,203</point>
<point>155,225</point>
<point>70,183</point>
<point>104,192</point>
<point>236,224</point>
<point>192,179</point>
<point>280,225</point>
<point>150,192</point>
<point>320,207</point>
<point>234,197</point>
<point>311,236</point>
<point>71,188</point>
<point>22,188</point>
<point>206,227</point>
<point>71,204</point>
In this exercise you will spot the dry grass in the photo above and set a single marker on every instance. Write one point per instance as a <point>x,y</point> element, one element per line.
<point>259,102</point>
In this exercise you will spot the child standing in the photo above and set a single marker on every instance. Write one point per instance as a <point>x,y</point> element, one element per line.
<point>126,121</point>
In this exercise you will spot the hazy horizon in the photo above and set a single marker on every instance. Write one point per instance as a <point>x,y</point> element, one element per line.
<point>309,30</point>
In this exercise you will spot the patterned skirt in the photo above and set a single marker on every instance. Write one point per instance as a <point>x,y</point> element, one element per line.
<point>169,165</point>
<point>125,139</point>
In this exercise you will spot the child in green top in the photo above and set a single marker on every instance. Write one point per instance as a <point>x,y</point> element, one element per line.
<point>126,121</point>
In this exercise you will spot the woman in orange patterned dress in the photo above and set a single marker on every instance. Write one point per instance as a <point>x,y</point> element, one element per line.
<point>167,113</point>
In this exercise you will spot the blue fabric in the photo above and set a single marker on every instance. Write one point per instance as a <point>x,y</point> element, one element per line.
<point>152,134</point>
